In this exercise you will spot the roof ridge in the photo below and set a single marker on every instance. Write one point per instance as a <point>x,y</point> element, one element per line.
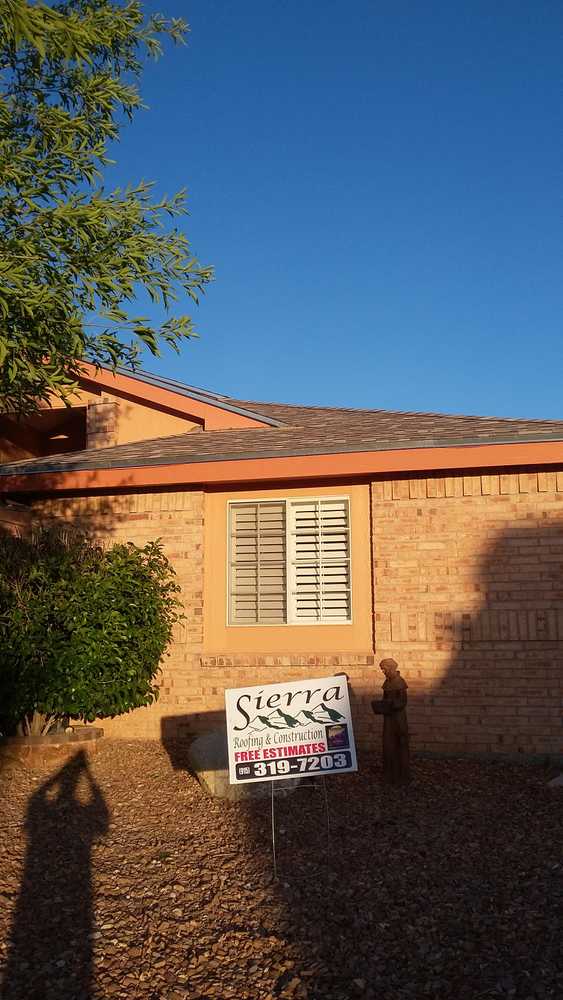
<point>406,413</point>
<point>175,383</point>
<point>143,374</point>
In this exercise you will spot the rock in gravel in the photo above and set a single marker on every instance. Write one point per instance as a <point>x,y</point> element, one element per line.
<point>210,764</point>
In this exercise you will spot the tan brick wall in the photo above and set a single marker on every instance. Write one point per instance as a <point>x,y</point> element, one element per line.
<point>176,518</point>
<point>469,598</point>
<point>102,418</point>
<point>15,522</point>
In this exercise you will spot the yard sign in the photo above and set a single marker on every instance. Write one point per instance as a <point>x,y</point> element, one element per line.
<point>285,730</point>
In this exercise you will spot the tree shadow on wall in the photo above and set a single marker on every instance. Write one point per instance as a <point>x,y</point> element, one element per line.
<point>50,946</point>
<point>98,514</point>
<point>502,688</point>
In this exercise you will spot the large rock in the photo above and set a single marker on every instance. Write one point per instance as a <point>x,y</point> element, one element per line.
<point>556,782</point>
<point>209,762</point>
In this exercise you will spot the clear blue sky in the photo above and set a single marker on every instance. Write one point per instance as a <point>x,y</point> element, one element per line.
<point>378,185</point>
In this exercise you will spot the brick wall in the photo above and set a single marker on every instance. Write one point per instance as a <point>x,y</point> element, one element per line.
<point>15,521</point>
<point>192,684</point>
<point>176,518</point>
<point>468,597</point>
<point>101,423</point>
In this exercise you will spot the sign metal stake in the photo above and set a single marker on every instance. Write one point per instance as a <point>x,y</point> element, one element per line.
<point>273,823</point>
<point>292,729</point>
<point>272,783</point>
<point>327,814</point>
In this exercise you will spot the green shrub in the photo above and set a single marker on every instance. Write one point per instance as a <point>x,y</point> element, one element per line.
<point>82,628</point>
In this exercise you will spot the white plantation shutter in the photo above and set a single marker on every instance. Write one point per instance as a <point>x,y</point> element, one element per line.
<point>258,563</point>
<point>290,562</point>
<point>319,553</point>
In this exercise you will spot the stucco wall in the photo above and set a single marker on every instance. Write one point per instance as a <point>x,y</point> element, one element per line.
<point>112,419</point>
<point>468,596</point>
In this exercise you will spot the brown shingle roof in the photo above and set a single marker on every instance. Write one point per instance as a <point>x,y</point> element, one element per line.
<point>305,430</point>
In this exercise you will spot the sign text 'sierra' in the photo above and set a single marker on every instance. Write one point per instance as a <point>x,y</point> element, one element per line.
<point>286,730</point>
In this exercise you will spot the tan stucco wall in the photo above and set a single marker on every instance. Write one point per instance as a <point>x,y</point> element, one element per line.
<point>110,420</point>
<point>220,638</point>
<point>122,421</point>
<point>10,452</point>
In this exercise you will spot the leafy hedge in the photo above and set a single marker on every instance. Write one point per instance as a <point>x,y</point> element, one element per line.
<point>82,628</point>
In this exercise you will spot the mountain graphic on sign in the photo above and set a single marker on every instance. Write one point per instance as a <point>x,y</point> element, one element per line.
<point>276,719</point>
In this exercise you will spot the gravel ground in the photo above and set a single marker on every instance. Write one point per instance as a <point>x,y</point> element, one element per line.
<point>119,878</point>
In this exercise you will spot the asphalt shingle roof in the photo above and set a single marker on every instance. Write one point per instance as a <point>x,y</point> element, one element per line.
<point>303,430</point>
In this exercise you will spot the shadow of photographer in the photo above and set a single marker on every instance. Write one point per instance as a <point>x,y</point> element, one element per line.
<point>50,946</point>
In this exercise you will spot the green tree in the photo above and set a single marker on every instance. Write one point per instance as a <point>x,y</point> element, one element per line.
<point>73,255</point>
<point>82,628</point>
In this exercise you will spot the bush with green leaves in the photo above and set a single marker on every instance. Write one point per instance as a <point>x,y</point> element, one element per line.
<point>82,628</point>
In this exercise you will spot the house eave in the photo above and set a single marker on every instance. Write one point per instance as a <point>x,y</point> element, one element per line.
<point>204,470</point>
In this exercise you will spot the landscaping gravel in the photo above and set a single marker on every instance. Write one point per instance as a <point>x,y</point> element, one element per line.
<point>121,879</point>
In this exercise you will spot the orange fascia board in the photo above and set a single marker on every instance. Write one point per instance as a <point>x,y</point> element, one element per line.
<point>299,467</point>
<point>212,417</point>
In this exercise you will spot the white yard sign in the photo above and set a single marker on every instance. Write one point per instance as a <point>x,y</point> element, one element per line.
<point>285,730</point>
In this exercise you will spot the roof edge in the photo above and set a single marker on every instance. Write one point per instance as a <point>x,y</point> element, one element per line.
<point>91,373</point>
<point>337,465</point>
<point>265,454</point>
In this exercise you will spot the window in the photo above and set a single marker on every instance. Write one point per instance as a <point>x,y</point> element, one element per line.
<point>290,562</point>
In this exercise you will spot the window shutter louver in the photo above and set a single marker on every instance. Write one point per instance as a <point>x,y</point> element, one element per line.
<point>290,562</point>
<point>320,561</point>
<point>258,563</point>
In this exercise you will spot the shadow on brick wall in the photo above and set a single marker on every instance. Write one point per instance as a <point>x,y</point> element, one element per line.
<point>98,513</point>
<point>502,687</point>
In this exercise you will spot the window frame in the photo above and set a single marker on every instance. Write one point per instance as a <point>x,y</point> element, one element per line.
<point>301,498</point>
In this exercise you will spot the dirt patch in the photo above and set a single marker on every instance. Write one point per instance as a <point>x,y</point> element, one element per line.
<point>121,879</point>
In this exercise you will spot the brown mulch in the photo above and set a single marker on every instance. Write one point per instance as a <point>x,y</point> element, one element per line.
<point>135,885</point>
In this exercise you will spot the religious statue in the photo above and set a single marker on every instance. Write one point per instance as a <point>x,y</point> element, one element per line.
<point>393,708</point>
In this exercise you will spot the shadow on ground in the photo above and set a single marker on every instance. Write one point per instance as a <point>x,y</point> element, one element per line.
<point>53,914</point>
<point>439,890</point>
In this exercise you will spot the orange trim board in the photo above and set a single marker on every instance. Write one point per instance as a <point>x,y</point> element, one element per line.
<point>298,467</point>
<point>213,417</point>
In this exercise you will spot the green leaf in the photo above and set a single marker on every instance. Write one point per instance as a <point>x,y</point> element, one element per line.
<point>74,256</point>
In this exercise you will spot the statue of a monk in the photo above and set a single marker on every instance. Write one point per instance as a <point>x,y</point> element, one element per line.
<point>393,708</point>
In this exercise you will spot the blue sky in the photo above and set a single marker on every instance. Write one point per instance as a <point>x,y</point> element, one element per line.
<point>378,187</point>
